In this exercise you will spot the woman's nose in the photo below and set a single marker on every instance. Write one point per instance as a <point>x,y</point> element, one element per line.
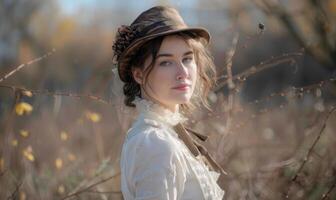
<point>182,71</point>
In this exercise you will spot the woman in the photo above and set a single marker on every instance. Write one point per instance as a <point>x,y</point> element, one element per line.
<point>166,71</point>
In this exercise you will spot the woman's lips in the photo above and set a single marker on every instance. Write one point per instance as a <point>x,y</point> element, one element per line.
<point>182,87</point>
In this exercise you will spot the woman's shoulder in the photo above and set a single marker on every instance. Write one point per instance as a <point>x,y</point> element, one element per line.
<point>143,127</point>
<point>149,135</point>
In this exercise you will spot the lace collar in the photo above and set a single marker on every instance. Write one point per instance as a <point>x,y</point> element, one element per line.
<point>157,112</point>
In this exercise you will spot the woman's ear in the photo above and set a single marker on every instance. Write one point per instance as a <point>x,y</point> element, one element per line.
<point>137,75</point>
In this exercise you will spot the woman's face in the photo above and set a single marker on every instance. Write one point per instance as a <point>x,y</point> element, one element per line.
<point>173,77</point>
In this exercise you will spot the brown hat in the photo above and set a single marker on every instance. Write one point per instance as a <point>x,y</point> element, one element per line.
<point>154,22</point>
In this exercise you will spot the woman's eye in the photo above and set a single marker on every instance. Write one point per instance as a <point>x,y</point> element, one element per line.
<point>187,59</point>
<point>165,63</point>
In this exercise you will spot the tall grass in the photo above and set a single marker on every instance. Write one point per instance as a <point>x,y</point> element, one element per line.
<point>69,148</point>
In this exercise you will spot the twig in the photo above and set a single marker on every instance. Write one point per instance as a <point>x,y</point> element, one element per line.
<point>87,189</point>
<point>291,93</point>
<point>326,195</point>
<point>26,64</point>
<point>230,81</point>
<point>257,68</point>
<point>15,192</point>
<point>314,143</point>
<point>46,92</point>
<point>103,192</point>
<point>231,91</point>
<point>311,148</point>
<point>285,17</point>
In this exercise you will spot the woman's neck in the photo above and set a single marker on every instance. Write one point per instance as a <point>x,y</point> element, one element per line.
<point>173,108</point>
<point>155,111</point>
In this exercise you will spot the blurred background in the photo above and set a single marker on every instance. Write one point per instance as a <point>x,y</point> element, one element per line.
<point>272,124</point>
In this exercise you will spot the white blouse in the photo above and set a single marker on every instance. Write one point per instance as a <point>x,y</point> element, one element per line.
<point>156,164</point>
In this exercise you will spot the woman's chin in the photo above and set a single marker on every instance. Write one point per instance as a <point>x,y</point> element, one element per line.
<point>182,99</point>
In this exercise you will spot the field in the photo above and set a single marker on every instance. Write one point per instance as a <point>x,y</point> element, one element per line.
<point>272,121</point>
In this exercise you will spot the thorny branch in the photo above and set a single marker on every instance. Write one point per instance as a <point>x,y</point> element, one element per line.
<point>231,90</point>
<point>326,195</point>
<point>18,68</point>
<point>325,52</point>
<point>88,189</point>
<point>333,109</point>
<point>50,93</point>
<point>15,192</point>
<point>285,58</point>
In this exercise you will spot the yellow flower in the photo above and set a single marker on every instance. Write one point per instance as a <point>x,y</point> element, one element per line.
<point>28,153</point>
<point>59,163</point>
<point>71,157</point>
<point>22,108</point>
<point>14,142</point>
<point>61,189</point>
<point>27,93</point>
<point>94,117</point>
<point>24,133</point>
<point>64,136</point>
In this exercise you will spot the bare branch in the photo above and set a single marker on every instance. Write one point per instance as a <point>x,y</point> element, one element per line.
<point>324,55</point>
<point>15,192</point>
<point>260,67</point>
<point>326,195</point>
<point>50,93</point>
<point>18,68</point>
<point>88,189</point>
<point>333,109</point>
<point>231,85</point>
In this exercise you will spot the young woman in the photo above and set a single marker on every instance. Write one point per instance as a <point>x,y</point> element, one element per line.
<point>167,71</point>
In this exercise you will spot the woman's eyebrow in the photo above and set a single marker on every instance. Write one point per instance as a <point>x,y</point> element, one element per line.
<point>188,53</point>
<point>171,55</point>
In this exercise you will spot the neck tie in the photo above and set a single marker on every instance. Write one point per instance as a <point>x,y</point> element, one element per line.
<point>196,148</point>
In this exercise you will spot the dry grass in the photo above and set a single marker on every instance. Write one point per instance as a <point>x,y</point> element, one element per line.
<point>68,147</point>
<point>267,154</point>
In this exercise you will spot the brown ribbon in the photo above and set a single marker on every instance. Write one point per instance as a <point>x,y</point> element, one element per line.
<point>196,148</point>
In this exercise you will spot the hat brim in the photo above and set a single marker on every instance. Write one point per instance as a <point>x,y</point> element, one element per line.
<point>201,32</point>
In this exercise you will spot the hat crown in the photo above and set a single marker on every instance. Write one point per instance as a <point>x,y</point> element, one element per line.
<point>158,19</point>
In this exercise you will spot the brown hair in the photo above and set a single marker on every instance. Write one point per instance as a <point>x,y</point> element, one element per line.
<point>205,67</point>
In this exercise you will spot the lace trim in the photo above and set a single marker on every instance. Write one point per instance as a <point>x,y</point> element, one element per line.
<point>158,112</point>
<point>198,166</point>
